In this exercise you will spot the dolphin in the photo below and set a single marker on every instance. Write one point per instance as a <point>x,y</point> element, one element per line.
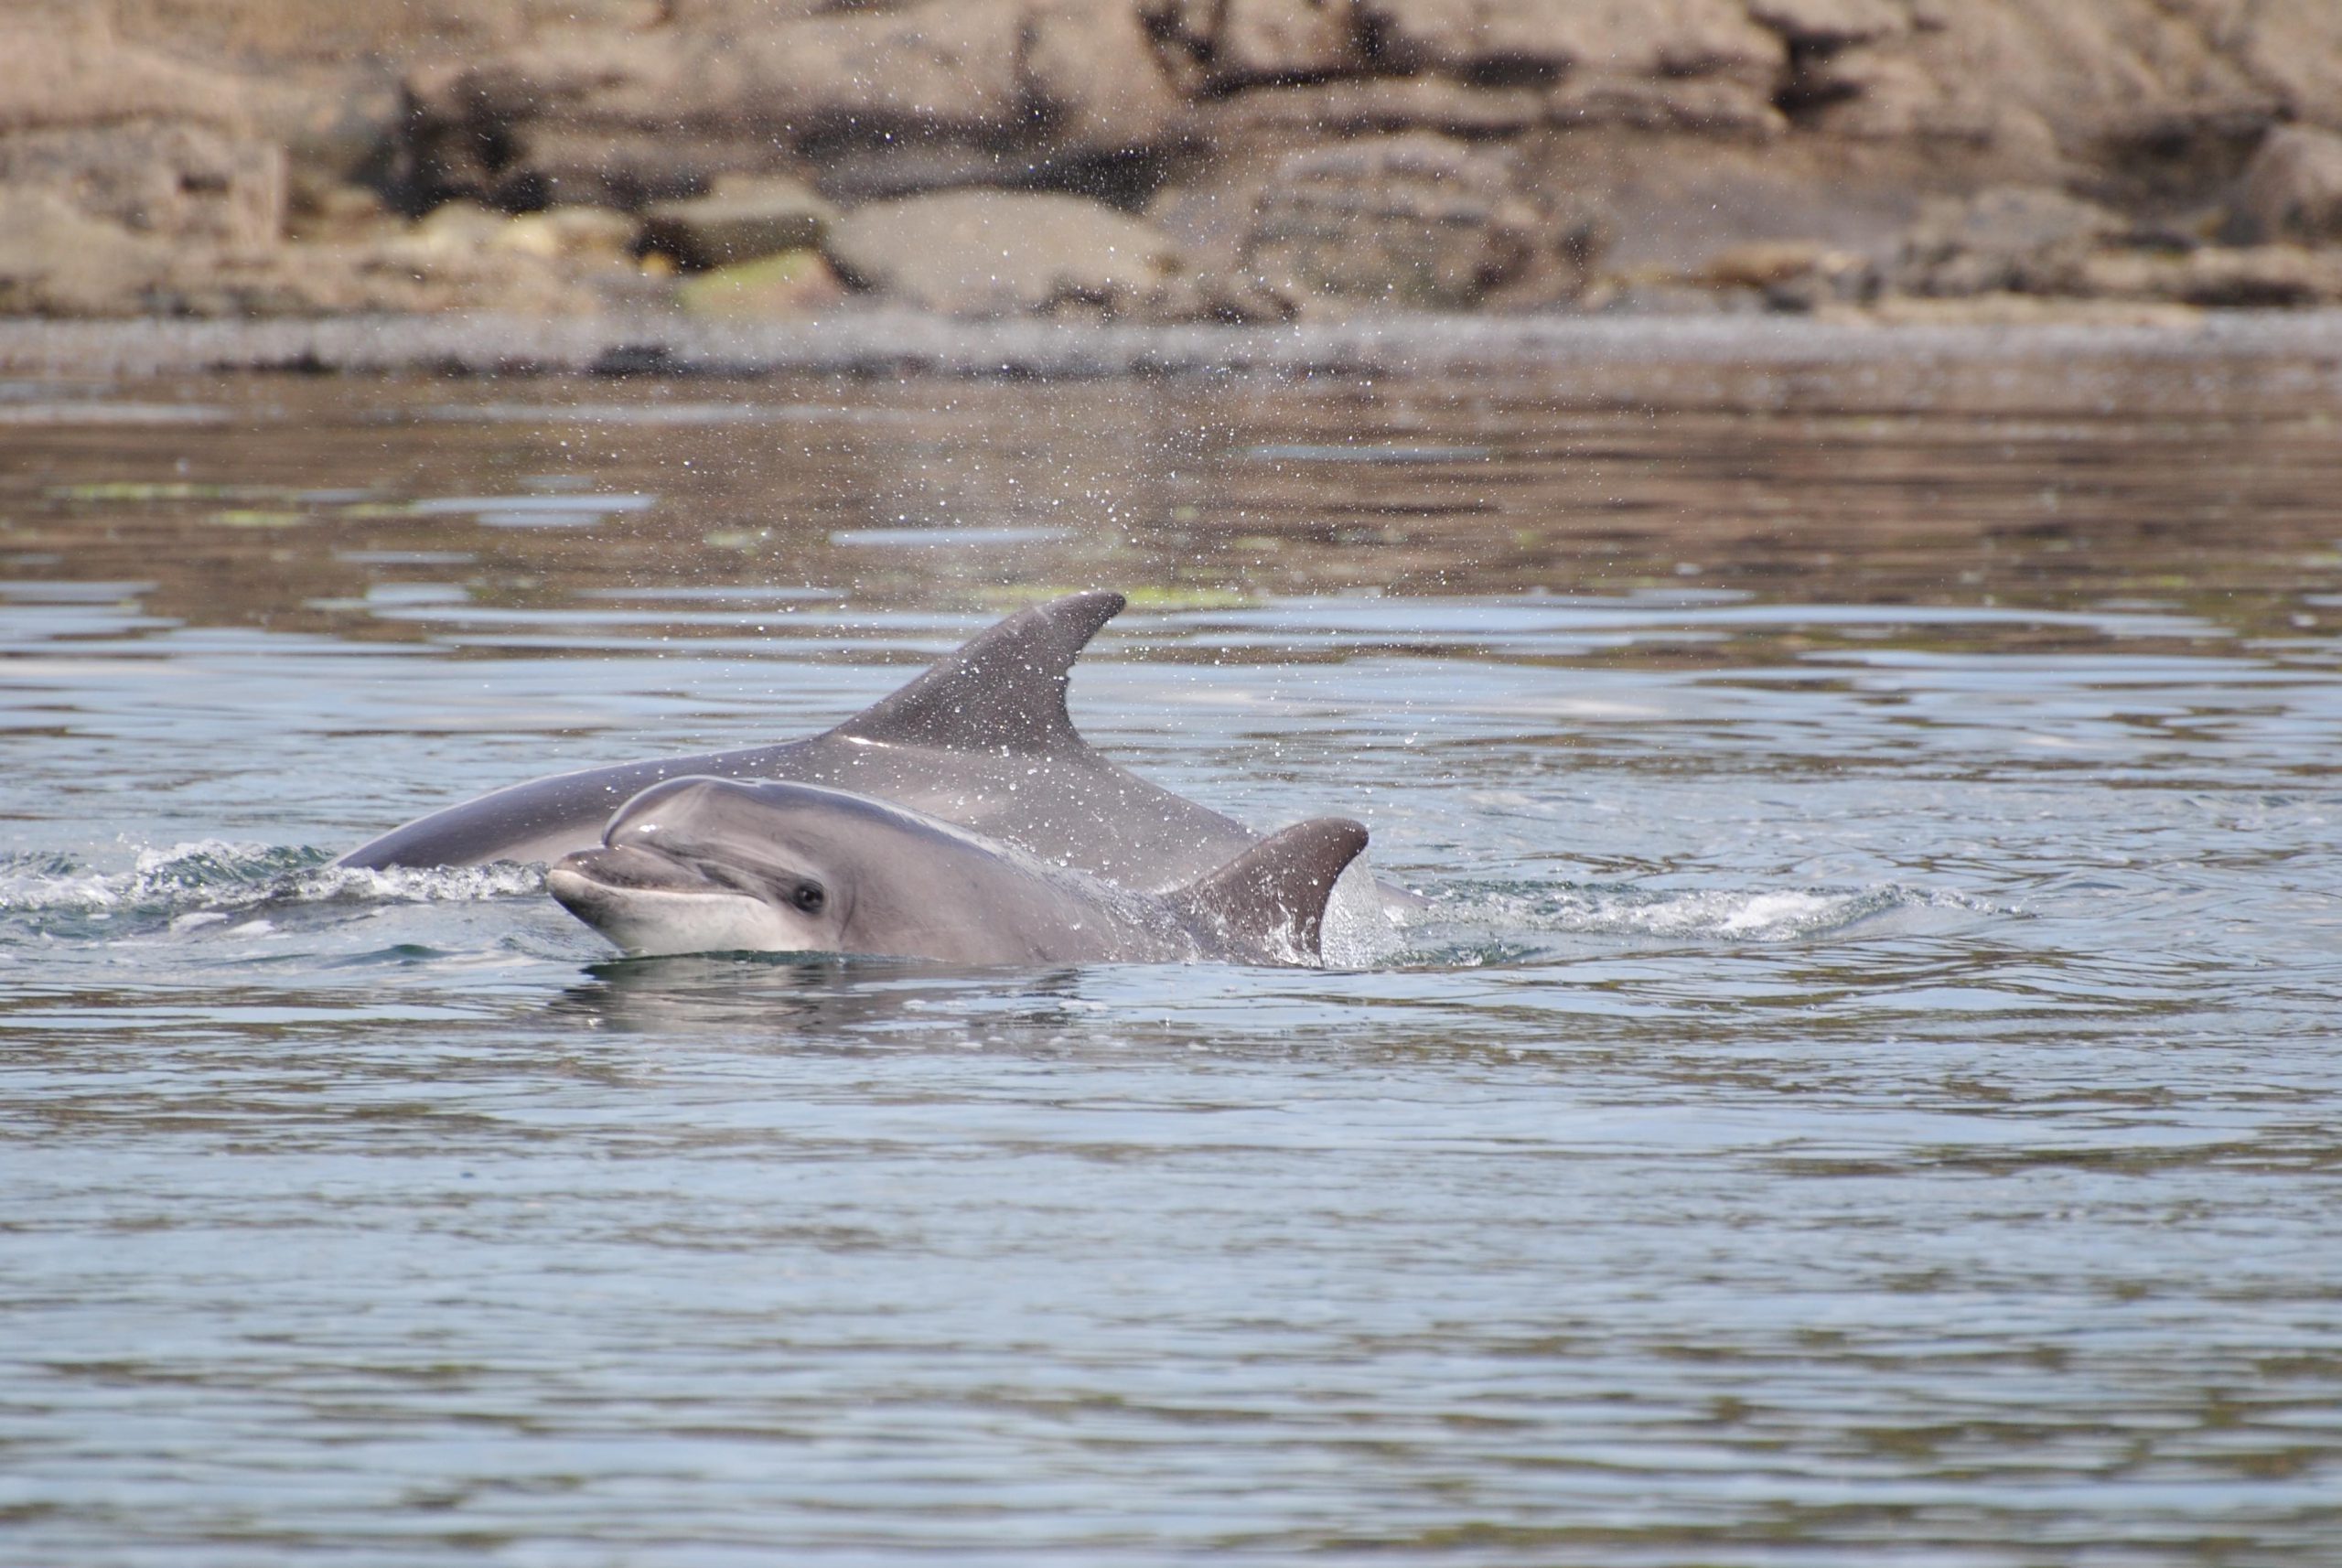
<point>982,738</point>
<point>721,865</point>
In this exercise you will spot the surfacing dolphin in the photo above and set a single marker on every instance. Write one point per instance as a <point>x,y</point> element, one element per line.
<point>982,739</point>
<point>718,864</point>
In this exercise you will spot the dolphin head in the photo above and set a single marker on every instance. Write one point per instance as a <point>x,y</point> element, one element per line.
<point>714,866</point>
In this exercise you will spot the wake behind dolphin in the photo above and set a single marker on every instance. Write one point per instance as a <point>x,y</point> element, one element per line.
<point>982,738</point>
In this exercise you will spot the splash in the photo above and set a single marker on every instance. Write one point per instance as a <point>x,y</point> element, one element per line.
<point>1496,922</point>
<point>417,885</point>
<point>188,887</point>
<point>1360,932</point>
<point>1786,915</point>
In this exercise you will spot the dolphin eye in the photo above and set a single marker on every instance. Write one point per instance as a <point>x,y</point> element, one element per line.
<point>809,897</point>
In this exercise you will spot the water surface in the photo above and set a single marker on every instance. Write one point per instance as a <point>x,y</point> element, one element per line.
<point>1864,1087</point>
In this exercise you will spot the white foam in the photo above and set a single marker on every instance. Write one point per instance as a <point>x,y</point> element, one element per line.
<point>1761,915</point>
<point>1780,914</point>
<point>192,884</point>
<point>1767,914</point>
<point>185,875</point>
<point>417,883</point>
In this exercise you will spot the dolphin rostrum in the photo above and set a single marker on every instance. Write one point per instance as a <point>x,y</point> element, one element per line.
<point>719,864</point>
<point>982,738</point>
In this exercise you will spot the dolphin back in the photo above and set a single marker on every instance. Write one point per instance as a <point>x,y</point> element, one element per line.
<point>1002,693</point>
<point>1270,901</point>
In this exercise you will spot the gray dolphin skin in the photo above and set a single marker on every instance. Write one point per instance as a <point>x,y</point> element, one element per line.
<point>982,739</point>
<point>719,864</point>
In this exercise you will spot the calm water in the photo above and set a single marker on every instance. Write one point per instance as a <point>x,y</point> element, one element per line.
<point>1866,1087</point>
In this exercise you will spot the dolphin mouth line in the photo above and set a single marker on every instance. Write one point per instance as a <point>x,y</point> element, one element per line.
<point>629,867</point>
<point>656,921</point>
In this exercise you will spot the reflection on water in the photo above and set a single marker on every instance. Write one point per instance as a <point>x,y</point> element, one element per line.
<point>1862,1086</point>
<point>1218,486</point>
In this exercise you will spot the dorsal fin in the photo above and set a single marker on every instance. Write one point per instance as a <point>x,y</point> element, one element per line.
<point>1002,691</point>
<point>1273,895</point>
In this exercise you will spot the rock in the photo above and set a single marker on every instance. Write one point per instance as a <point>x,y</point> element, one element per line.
<point>2289,49</point>
<point>1825,25</point>
<point>607,78</point>
<point>2069,80</point>
<point>334,127</point>
<point>1286,40</point>
<point>1235,297</point>
<point>1182,31</point>
<point>134,139</point>
<point>991,253</point>
<point>2293,189</point>
<point>55,78</point>
<point>1678,202</point>
<point>393,276</point>
<point>793,283</point>
<point>280,36</point>
<point>2012,238</point>
<point>553,164</point>
<point>1639,298</point>
<point>174,179</point>
<point>2254,276</point>
<point>1208,222</point>
<point>1072,78</point>
<point>949,66</point>
<point>1792,275</point>
<point>1706,121</point>
<point>727,17</point>
<point>1093,80</point>
<point>1761,264</point>
<point>1349,108</point>
<point>56,259</point>
<point>1500,40</point>
<point>479,129</point>
<point>861,172</point>
<point>1415,219</point>
<point>1716,106</point>
<point>744,219</point>
<point>952,91</point>
<point>592,234</point>
<point>337,212</point>
<point>1886,93</point>
<point>458,227</point>
<point>462,257</point>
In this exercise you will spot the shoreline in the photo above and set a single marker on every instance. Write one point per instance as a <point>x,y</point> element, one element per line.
<point>916,344</point>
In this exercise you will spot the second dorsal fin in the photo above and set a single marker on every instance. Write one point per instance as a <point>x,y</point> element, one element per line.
<point>1003,690</point>
<point>1272,897</point>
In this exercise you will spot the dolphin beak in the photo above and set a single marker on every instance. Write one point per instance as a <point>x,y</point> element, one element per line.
<point>650,903</point>
<point>588,882</point>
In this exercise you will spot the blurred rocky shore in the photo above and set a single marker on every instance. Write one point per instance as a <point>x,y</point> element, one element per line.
<point>1170,160</point>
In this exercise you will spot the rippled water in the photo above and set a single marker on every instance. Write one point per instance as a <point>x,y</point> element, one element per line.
<point>1864,1087</point>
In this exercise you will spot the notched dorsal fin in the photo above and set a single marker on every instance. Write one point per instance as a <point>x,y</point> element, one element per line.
<point>1274,894</point>
<point>1002,691</point>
